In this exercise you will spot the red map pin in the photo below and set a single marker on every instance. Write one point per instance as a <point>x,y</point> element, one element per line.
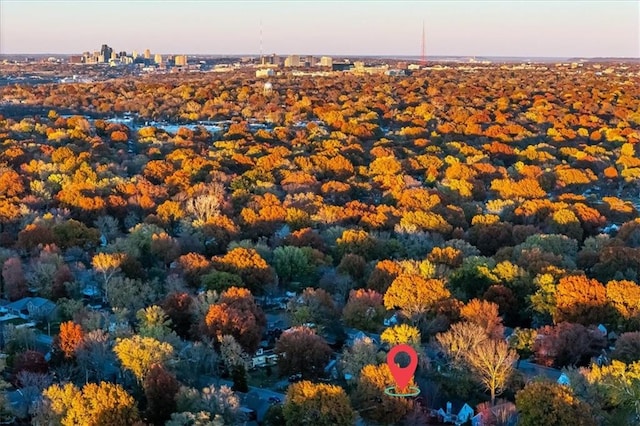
<point>401,375</point>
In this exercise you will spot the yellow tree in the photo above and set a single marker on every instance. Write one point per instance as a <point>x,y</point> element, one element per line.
<point>460,340</point>
<point>401,334</point>
<point>414,295</point>
<point>94,405</point>
<point>107,264</point>
<point>371,401</point>
<point>138,354</point>
<point>317,405</point>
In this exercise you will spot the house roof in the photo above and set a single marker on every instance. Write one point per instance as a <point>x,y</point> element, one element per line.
<point>37,302</point>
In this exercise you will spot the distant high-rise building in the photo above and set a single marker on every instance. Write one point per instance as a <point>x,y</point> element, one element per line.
<point>326,61</point>
<point>292,61</point>
<point>157,58</point>
<point>147,54</point>
<point>113,56</point>
<point>272,59</point>
<point>134,54</point>
<point>105,53</point>
<point>180,60</point>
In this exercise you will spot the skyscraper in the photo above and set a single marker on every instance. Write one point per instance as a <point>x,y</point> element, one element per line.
<point>292,61</point>
<point>326,61</point>
<point>147,54</point>
<point>105,53</point>
<point>180,60</point>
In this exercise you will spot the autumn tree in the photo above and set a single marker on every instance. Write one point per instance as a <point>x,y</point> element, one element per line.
<point>15,285</point>
<point>138,354</point>
<point>624,298</point>
<point>371,401</point>
<point>383,275</point>
<point>93,405</point>
<point>485,314</point>
<point>31,361</point>
<point>401,334</point>
<point>492,363</point>
<point>546,403</point>
<point>567,344</point>
<point>178,308</point>
<point>249,265</point>
<point>301,350</point>
<point>160,389</point>
<point>71,337</point>
<point>581,300</point>
<point>194,266</point>
<point>627,347</point>
<point>154,322</point>
<point>364,310</point>
<point>614,387</point>
<point>107,264</point>
<point>459,341</point>
<point>414,295</point>
<point>232,354</point>
<point>363,351</point>
<point>218,404</point>
<point>320,404</point>
<point>238,315</point>
<point>314,305</point>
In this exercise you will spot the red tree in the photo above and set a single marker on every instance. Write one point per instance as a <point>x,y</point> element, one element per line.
<point>302,351</point>
<point>238,315</point>
<point>177,306</point>
<point>160,389</point>
<point>15,285</point>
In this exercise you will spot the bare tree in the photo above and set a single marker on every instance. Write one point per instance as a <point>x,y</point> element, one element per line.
<point>460,340</point>
<point>492,363</point>
<point>207,202</point>
<point>31,386</point>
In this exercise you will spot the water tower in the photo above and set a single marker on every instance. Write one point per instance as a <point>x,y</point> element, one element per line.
<point>267,89</point>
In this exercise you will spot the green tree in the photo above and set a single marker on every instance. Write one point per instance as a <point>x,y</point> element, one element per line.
<point>239,377</point>
<point>292,264</point>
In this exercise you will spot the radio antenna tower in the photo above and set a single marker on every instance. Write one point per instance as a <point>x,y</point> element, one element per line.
<point>260,40</point>
<point>423,59</point>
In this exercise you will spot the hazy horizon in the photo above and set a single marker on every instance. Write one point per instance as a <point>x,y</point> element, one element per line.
<point>515,29</point>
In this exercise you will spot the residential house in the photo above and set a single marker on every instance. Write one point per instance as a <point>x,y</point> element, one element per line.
<point>35,308</point>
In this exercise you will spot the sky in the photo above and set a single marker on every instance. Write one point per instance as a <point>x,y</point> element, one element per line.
<point>534,28</point>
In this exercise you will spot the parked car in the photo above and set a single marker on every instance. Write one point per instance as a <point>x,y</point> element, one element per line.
<point>273,400</point>
<point>295,377</point>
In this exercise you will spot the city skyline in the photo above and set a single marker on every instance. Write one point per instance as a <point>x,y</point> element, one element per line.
<point>458,28</point>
